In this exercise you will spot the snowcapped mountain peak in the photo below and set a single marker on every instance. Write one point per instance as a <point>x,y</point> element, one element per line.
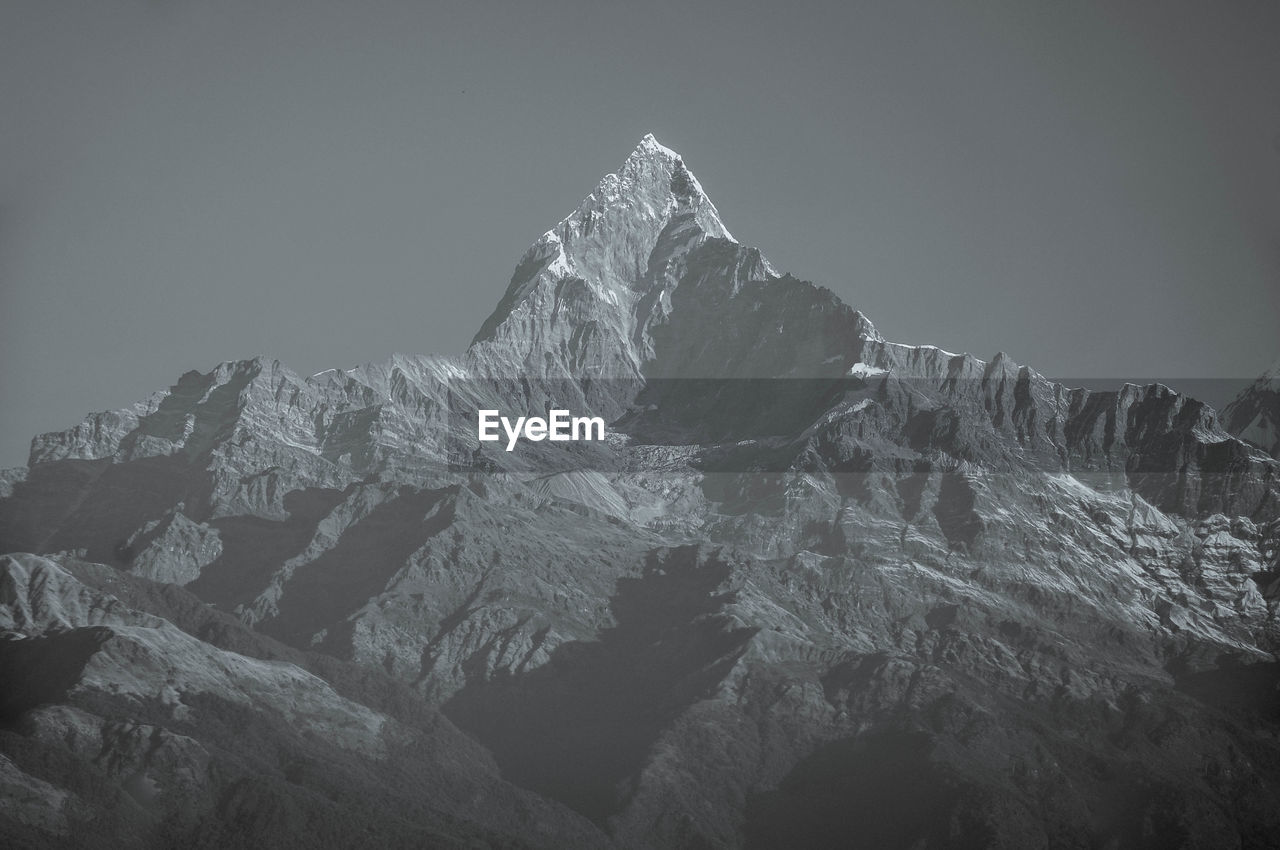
<point>609,258</point>
<point>1254,415</point>
<point>652,185</point>
<point>650,146</point>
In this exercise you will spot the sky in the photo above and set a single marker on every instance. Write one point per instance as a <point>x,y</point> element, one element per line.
<point>1093,188</point>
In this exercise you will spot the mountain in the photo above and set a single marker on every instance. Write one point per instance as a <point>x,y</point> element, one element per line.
<point>814,588</point>
<point>583,297</point>
<point>1254,415</point>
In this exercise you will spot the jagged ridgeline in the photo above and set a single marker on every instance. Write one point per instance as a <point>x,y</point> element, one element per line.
<point>813,588</point>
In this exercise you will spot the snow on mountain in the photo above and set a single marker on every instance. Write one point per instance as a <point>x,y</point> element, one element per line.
<point>586,290</point>
<point>1254,415</point>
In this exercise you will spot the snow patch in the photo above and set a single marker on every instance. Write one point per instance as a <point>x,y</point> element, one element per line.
<point>652,145</point>
<point>864,370</point>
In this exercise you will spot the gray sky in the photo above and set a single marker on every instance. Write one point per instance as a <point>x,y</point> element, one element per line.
<point>1092,187</point>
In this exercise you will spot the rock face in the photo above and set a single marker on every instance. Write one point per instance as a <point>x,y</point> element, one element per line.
<point>816,588</point>
<point>583,297</point>
<point>1254,415</point>
<point>189,730</point>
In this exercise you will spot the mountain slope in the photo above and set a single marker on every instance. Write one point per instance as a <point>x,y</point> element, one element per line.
<point>1254,415</point>
<point>163,738</point>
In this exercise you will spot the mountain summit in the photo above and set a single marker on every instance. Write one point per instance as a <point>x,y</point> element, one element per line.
<point>584,294</point>
<point>1254,414</point>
